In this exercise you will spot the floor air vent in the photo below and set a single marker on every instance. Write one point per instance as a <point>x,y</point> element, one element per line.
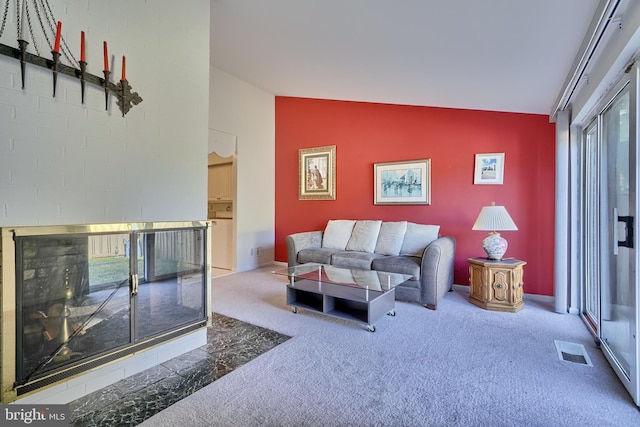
<point>572,352</point>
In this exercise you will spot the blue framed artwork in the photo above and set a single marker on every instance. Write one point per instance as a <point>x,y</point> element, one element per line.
<point>403,183</point>
<point>489,168</point>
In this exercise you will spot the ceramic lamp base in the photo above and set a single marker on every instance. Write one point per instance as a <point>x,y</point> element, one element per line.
<point>495,246</point>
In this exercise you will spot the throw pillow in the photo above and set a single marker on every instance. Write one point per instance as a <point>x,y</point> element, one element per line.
<point>391,237</point>
<point>337,233</point>
<point>417,238</point>
<point>364,236</point>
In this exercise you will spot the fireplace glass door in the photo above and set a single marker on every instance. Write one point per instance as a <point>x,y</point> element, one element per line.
<point>170,291</point>
<point>83,296</point>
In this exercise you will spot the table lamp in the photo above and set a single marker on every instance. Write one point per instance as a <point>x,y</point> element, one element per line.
<point>494,218</point>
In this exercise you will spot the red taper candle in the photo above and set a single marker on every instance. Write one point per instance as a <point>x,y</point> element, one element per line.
<point>83,57</point>
<point>56,46</point>
<point>106,56</point>
<point>124,68</point>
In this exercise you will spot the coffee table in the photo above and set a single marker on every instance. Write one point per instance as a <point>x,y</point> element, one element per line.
<point>363,296</point>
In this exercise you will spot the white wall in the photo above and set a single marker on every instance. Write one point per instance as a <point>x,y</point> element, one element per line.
<point>243,110</point>
<point>62,162</point>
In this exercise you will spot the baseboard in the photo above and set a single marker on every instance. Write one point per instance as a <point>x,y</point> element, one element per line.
<point>530,297</point>
<point>462,288</point>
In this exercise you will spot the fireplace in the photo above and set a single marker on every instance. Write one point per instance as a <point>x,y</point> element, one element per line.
<point>78,297</point>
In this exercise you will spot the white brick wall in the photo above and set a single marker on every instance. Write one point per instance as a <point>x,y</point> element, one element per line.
<point>62,162</point>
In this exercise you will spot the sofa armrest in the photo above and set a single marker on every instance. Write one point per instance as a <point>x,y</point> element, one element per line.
<point>298,241</point>
<point>436,271</point>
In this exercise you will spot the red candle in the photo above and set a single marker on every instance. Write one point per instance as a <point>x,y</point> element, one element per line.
<point>106,56</point>
<point>83,57</point>
<point>56,46</point>
<point>124,68</point>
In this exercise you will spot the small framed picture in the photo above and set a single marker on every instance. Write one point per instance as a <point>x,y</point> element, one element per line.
<point>317,173</point>
<point>489,168</point>
<point>402,183</point>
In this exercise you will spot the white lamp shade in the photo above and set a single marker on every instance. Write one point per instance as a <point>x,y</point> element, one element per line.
<point>494,218</point>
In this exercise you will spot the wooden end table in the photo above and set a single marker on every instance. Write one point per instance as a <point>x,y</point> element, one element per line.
<point>496,285</point>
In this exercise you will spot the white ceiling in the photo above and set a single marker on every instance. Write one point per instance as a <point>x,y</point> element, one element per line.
<point>498,55</point>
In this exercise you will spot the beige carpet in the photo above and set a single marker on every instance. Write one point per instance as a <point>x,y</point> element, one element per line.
<point>457,366</point>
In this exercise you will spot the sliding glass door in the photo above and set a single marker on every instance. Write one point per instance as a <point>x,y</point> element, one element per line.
<point>591,231</point>
<point>610,277</point>
<point>617,290</point>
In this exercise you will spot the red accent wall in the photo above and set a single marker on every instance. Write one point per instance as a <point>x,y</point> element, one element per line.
<point>368,133</point>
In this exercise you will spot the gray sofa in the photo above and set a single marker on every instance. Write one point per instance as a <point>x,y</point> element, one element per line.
<point>399,247</point>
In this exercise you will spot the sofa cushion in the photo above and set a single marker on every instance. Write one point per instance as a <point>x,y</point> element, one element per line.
<point>339,275</point>
<point>337,233</point>
<point>398,264</point>
<point>353,259</point>
<point>319,255</point>
<point>391,237</point>
<point>412,283</point>
<point>417,238</point>
<point>367,279</point>
<point>364,236</point>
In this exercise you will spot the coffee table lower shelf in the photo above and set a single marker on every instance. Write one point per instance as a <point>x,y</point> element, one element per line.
<point>343,302</point>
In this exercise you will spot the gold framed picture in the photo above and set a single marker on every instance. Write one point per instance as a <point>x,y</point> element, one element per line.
<point>317,173</point>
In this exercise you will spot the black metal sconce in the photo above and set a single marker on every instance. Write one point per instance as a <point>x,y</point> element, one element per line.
<point>126,98</point>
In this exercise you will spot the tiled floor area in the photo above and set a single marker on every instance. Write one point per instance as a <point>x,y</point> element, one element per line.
<point>230,344</point>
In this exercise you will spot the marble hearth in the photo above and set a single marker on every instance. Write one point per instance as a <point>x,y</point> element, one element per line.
<point>230,344</point>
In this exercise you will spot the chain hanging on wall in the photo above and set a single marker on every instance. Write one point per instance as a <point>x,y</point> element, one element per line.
<point>52,29</point>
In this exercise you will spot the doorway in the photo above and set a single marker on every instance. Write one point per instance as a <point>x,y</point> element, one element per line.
<point>221,212</point>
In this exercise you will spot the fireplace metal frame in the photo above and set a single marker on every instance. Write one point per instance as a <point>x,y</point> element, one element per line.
<point>8,322</point>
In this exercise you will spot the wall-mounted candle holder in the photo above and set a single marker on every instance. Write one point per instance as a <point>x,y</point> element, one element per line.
<point>23,50</point>
<point>125,97</point>
<point>107,73</point>
<point>83,70</point>
<point>54,67</point>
